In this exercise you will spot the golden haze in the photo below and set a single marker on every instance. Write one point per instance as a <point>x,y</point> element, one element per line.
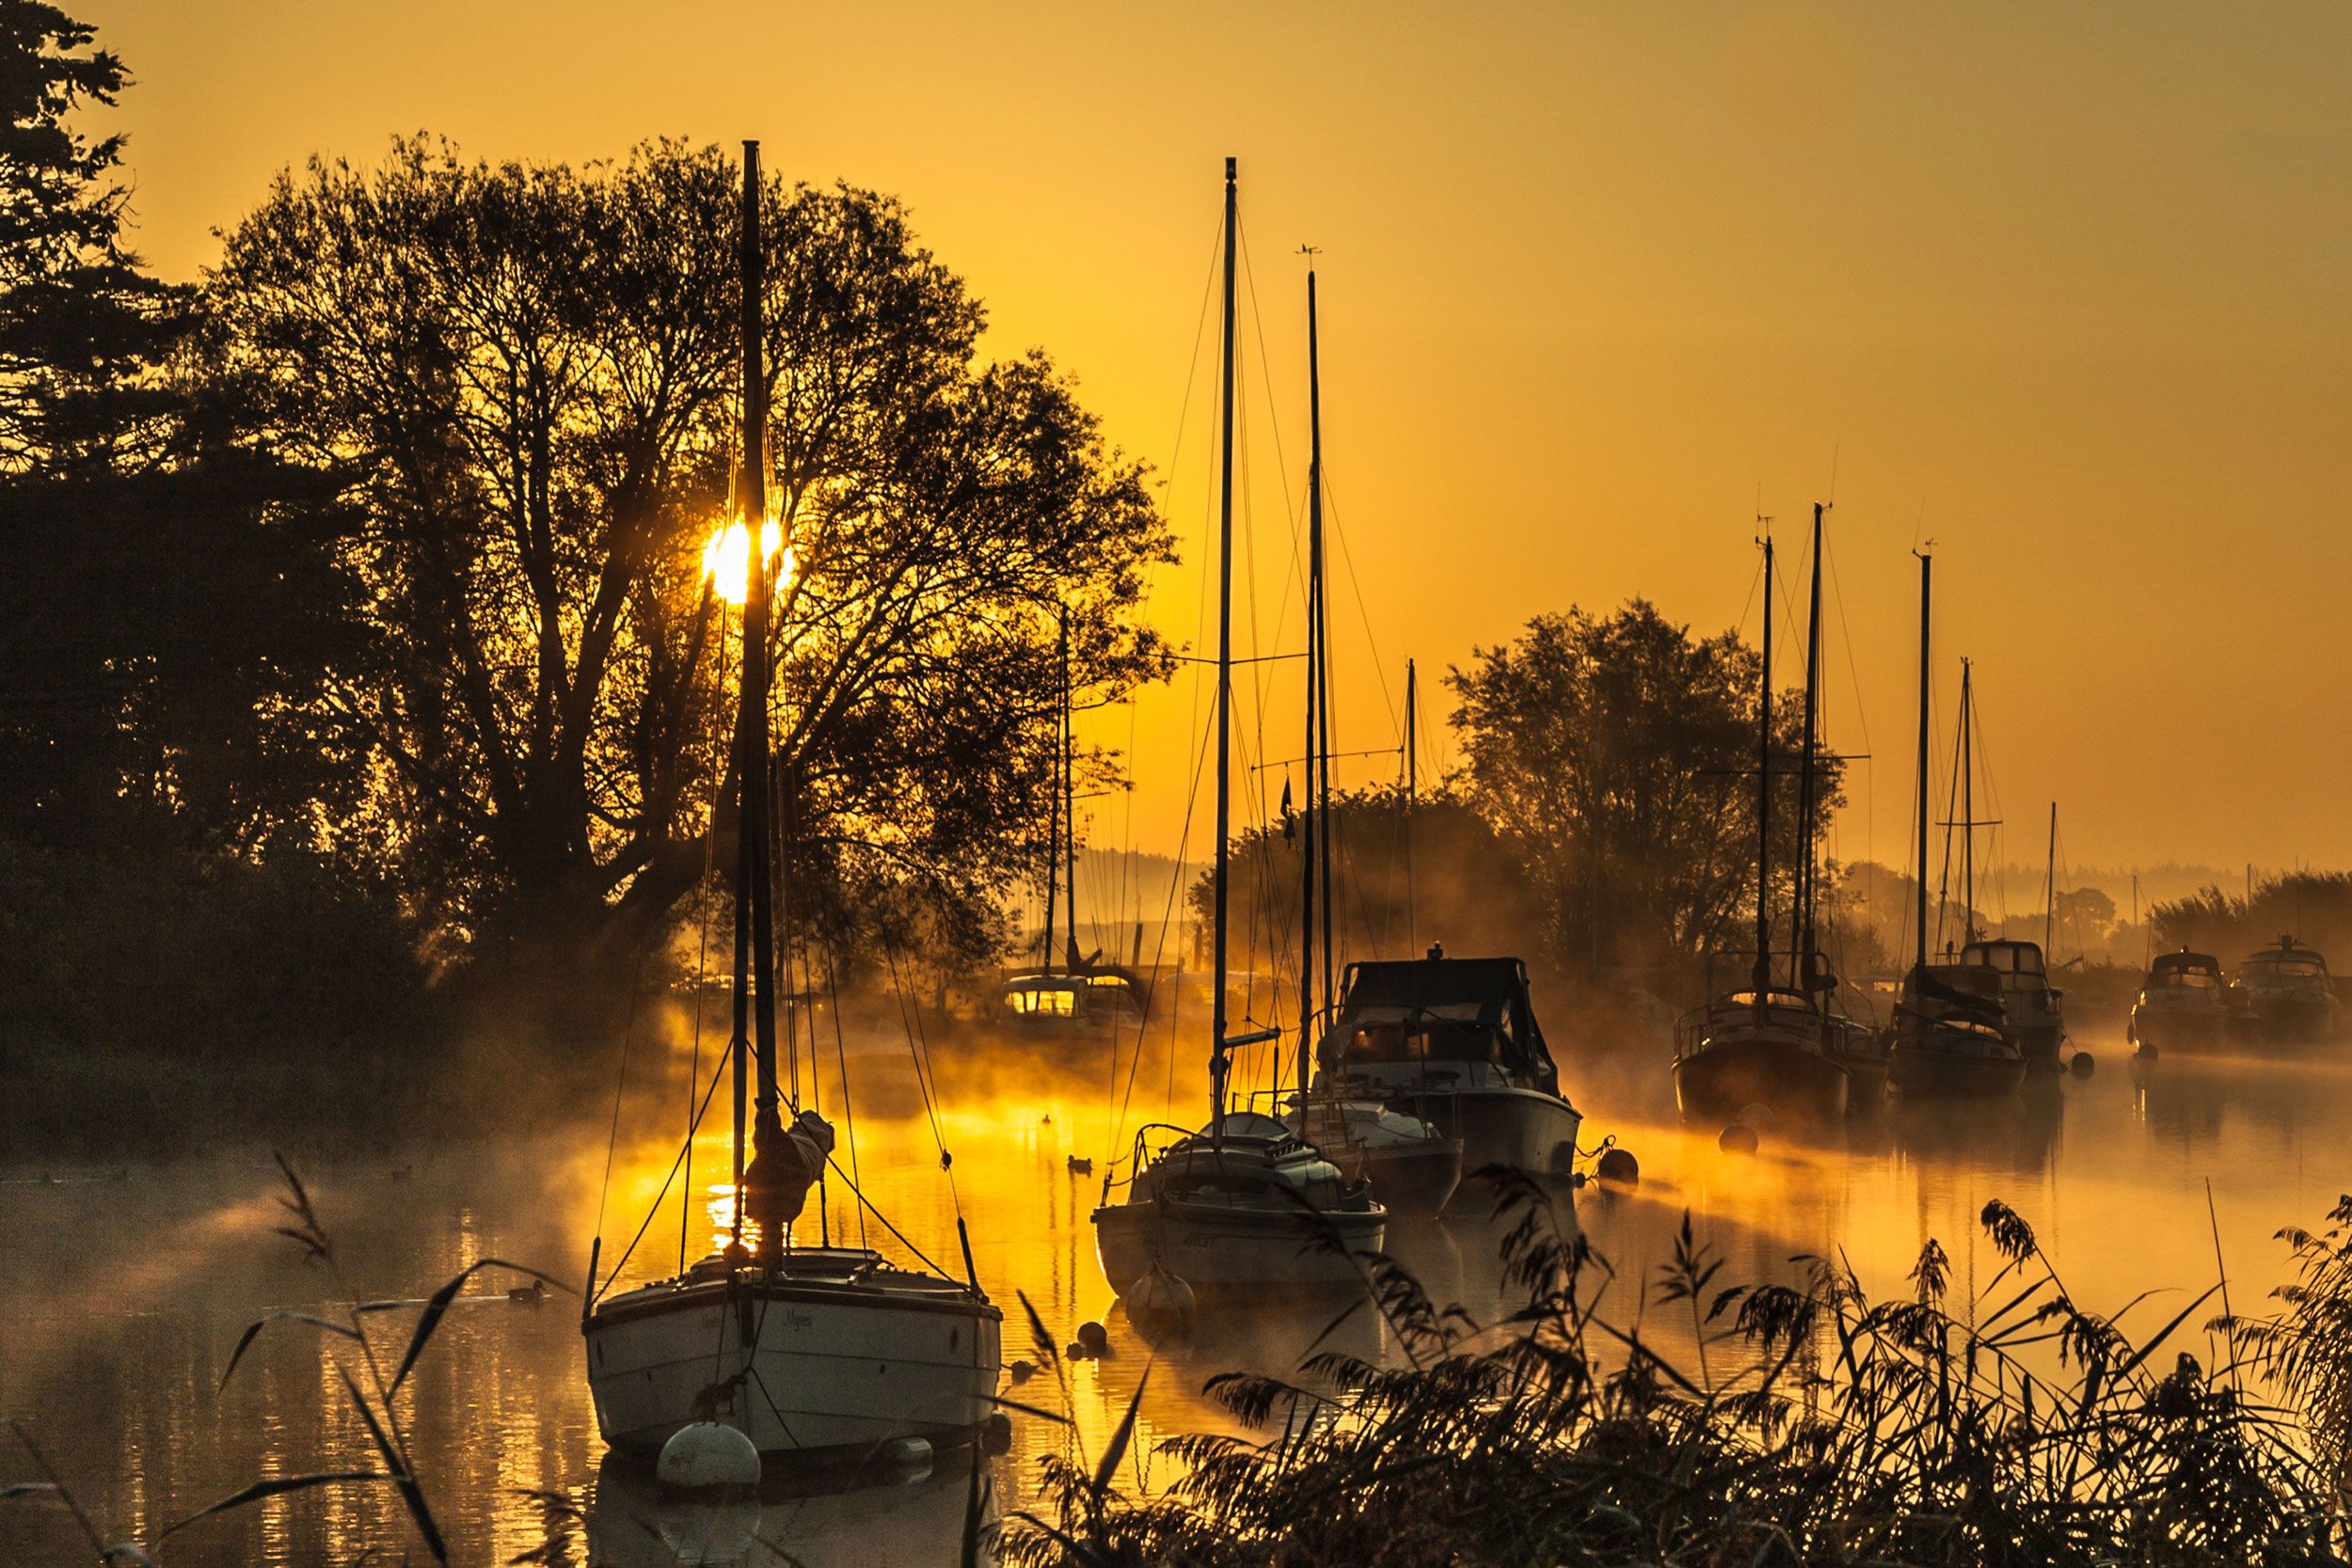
<point>2061,287</point>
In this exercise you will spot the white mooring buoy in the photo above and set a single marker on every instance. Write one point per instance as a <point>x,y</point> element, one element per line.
<point>707,1458</point>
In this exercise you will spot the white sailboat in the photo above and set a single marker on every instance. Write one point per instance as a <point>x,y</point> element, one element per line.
<point>819,1354</point>
<point>1242,1209</point>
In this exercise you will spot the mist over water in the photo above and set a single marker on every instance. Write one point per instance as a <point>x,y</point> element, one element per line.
<point>127,1285</point>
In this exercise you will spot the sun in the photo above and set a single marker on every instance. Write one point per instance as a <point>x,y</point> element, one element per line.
<point>726,558</point>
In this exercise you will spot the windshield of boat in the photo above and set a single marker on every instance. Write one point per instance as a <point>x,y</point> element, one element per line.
<point>2286,966</point>
<point>1042,998</point>
<point>2011,957</point>
<point>1425,1037</point>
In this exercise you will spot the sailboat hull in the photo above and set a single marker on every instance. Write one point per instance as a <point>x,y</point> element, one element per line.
<point>1918,1074</point>
<point>1724,1077</point>
<point>816,1372</point>
<point>1220,1250</point>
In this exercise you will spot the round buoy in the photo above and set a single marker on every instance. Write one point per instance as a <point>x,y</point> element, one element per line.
<point>1074,1352</point>
<point>1096,1340</point>
<point>1619,1169</point>
<point>996,1434</point>
<point>1160,1303</point>
<point>707,1458</point>
<point>1022,1371</point>
<point>1739,1138</point>
<point>2084,1064</point>
<point>2146,1052</point>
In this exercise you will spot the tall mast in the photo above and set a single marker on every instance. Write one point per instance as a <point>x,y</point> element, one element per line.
<point>1315,760</point>
<point>1919,885</point>
<point>1801,957</point>
<point>1219,1063</point>
<point>1967,812</point>
<point>1761,979</point>
<point>1053,838</point>
<point>2049,887</point>
<point>1069,796</point>
<point>1412,780</point>
<point>753,859</point>
<point>1322,653</point>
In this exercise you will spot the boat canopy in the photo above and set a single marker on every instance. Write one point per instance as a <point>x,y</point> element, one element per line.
<point>2011,957</point>
<point>2289,958</point>
<point>2185,961</point>
<point>1438,1010</point>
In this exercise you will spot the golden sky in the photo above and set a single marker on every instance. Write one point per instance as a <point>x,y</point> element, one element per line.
<point>2067,289</point>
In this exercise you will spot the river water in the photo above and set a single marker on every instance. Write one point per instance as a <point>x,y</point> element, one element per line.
<point>124,1290</point>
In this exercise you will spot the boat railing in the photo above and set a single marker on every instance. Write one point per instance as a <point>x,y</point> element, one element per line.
<point>1787,1013</point>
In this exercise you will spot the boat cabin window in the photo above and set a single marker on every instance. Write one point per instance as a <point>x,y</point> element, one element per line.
<point>2284,966</point>
<point>2010,958</point>
<point>1042,1002</point>
<point>1421,1041</point>
<point>2188,979</point>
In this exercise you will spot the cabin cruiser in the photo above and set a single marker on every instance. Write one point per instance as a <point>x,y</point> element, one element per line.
<point>2029,1003</point>
<point>1950,1036</point>
<point>1087,1001</point>
<point>2183,1006</point>
<point>1413,1167</point>
<point>1454,1042</point>
<point>1242,1209</point>
<point>2288,992</point>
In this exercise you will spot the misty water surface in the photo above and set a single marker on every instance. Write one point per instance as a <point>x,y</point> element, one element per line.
<point>126,1286</point>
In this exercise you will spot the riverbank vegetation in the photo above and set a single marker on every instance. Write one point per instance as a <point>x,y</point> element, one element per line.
<point>1800,1424</point>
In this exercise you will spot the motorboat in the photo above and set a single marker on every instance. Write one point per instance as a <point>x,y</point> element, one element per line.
<point>1241,1210</point>
<point>2031,1005</point>
<point>819,1355</point>
<point>2288,993</point>
<point>2184,1004</point>
<point>1454,1042</point>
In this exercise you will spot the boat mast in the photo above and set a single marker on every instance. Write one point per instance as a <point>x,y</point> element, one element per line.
<point>1801,959</point>
<point>755,949</point>
<point>1412,780</point>
<point>2049,888</point>
<point>1219,1063</point>
<point>1053,828</point>
<point>1314,689</point>
<point>1069,798</point>
<point>1968,814</point>
<point>1322,653</point>
<point>1760,979</point>
<point>1919,883</point>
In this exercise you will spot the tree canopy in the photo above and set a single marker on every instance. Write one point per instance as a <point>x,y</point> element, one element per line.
<point>1617,757</point>
<point>520,380</point>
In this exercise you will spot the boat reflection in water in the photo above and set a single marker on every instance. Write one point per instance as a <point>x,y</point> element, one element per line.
<point>915,1516</point>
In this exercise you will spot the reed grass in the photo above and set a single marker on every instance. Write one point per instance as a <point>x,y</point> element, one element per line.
<point>1811,1426</point>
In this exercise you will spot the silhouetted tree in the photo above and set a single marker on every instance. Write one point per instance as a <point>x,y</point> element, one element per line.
<point>2314,907</point>
<point>1616,758</point>
<point>163,628</point>
<point>520,380</point>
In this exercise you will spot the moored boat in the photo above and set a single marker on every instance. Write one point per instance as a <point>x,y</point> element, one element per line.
<point>2184,1004</point>
<point>816,1354</point>
<point>1454,1042</point>
<point>2289,994</point>
<point>2030,1005</point>
<point>1755,1048</point>
<point>1951,1039</point>
<point>1242,1209</point>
